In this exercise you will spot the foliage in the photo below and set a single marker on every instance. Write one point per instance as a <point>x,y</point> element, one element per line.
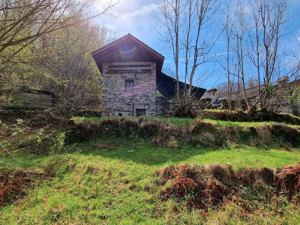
<point>50,50</point>
<point>72,74</point>
<point>24,22</point>
<point>294,100</point>
<point>248,116</point>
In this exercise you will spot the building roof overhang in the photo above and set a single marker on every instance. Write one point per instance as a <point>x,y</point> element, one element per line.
<point>166,85</point>
<point>126,49</point>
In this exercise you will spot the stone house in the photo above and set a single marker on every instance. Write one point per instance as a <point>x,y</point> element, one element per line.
<point>132,75</point>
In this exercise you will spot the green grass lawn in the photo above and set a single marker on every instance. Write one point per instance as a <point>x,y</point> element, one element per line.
<point>113,181</point>
<point>144,152</point>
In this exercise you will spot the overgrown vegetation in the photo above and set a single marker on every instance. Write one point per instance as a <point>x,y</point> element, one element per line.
<point>207,186</point>
<point>14,184</point>
<point>50,50</point>
<point>195,132</point>
<point>138,170</point>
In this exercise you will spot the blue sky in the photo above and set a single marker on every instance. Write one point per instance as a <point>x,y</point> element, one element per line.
<point>135,17</point>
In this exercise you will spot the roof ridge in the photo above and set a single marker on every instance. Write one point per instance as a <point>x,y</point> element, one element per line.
<point>124,37</point>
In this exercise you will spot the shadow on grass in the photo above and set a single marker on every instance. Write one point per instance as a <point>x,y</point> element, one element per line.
<point>138,151</point>
<point>145,152</point>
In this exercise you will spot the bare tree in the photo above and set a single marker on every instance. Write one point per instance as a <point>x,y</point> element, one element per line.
<point>240,32</point>
<point>202,47</point>
<point>259,48</point>
<point>228,27</point>
<point>255,46</point>
<point>72,74</point>
<point>184,29</point>
<point>271,26</point>
<point>171,12</point>
<point>26,42</point>
<point>23,22</point>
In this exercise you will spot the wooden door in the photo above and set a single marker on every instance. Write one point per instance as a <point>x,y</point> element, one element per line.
<point>140,112</point>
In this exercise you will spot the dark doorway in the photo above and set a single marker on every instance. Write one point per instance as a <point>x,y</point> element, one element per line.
<point>140,112</point>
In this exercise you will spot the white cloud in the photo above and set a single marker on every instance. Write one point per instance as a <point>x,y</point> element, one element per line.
<point>134,17</point>
<point>126,8</point>
<point>144,11</point>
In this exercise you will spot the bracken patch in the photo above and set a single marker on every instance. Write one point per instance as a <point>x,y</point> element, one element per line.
<point>212,185</point>
<point>187,182</point>
<point>14,184</point>
<point>289,181</point>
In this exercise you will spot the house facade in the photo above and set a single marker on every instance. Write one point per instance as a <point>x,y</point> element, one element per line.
<point>132,75</point>
<point>127,90</point>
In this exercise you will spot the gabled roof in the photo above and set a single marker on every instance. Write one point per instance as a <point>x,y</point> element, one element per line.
<point>109,53</point>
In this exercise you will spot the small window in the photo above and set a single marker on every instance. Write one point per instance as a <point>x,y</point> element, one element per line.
<point>129,85</point>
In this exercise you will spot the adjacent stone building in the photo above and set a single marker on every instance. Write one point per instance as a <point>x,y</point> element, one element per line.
<point>285,97</point>
<point>132,75</point>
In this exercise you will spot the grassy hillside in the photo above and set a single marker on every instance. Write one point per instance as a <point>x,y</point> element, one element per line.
<point>115,180</point>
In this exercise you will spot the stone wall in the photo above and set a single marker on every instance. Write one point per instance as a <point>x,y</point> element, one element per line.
<point>162,105</point>
<point>165,106</point>
<point>116,101</point>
